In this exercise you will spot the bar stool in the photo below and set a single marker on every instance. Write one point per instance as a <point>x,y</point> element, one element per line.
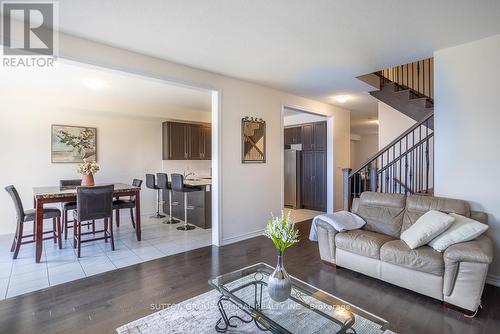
<point>163,184</point>
<point>179,186</point>
<point>29,216</point>
<point>93,203</point>
<point>151,184</point>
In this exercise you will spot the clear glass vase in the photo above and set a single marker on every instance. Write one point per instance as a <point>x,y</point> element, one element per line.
<point>279,284</point>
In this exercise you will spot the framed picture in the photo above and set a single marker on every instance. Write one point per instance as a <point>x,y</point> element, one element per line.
<point>253,132</point>
<point>73,144</point>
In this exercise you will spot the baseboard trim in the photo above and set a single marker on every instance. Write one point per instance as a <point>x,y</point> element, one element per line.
<point>241,237</point>
<point>493,280</point>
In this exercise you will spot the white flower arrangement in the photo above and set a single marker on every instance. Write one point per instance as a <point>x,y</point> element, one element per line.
<point>282,232</point>
<point>88,167</point>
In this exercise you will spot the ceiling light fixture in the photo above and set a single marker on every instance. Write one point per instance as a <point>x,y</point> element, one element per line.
<point>341,98</point>
<point>95,83</point>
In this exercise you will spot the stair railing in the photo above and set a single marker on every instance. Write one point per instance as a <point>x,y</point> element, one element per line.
<point>405,165</point>
<point>417,76</point>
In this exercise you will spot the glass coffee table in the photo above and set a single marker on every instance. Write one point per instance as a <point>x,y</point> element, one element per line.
<point>308,309</point>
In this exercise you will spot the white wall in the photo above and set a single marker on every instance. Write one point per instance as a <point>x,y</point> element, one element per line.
<point>467,116</point>
<point>363,148</point>
<point>392,123</point>
<point>248,192</point>
<point>128,146</point>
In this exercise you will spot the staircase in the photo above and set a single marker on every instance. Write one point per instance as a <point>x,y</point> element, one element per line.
<point>406,165</point>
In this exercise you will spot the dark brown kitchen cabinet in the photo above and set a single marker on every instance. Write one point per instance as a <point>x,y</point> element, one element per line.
<point>319,135</point>
<point>195,140</point>
<point>293,135</point>
<point>186,141</point>
<point>314,136</point>
<point>207,143</point>
<point>314,180</point>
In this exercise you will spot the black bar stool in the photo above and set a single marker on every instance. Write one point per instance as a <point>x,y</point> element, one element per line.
<point>29,216</point>
<point>179,186</point>
<point>163,184</point>
<point>93,203</point>
<point>151,184</point>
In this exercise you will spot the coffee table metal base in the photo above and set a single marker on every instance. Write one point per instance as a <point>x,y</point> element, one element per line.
<point>225,322</point>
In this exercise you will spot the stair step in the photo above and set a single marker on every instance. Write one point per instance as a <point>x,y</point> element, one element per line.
<point>422,102</point>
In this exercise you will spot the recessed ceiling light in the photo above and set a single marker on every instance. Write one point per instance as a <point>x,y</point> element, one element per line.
<point>341,98</point>
<point>95,83</point>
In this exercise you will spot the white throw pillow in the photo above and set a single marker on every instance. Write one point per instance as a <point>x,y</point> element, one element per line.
<point>427,227</point>
<point>462,230</point>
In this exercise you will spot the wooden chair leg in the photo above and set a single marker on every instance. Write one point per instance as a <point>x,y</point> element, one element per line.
<point>79,239</point>
<point>15,237</point>
<point>65,223</point>
<point>111,234</point>
<point>59,232</point>
<point>54,230</point>
<point>18,239</point>
<point>74,233</point>
<point>132,217</point>
<point>93,226</point>
<point>105,229</point>
<point>117,218</point>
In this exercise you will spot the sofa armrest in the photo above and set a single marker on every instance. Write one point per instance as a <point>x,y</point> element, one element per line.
<point>479,250</point>
<point>326,241</point>
<point>466,267</point>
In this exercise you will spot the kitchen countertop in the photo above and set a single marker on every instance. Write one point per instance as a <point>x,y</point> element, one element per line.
<point>198,181</point>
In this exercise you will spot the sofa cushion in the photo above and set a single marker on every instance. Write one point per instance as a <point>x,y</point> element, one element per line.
<point>463,229</point>
<point>426,228</point>
<point>417,205</point>
<point>423,259</point>
<point>362,242</point>
<point>382,212</point>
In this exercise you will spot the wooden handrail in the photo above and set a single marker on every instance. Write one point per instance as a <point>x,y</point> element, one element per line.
<point>391,144</point>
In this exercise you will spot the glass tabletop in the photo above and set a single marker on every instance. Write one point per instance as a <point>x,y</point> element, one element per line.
<point>307,310</point>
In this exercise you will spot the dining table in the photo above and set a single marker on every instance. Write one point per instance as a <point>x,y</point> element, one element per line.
<point>57,194</point>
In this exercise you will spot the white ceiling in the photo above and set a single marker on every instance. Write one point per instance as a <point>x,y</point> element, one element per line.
<point>140,93</point>
<point>311,48</point>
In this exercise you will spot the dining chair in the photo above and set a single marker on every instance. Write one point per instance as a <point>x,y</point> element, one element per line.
<point>93,203</point>
<point>179,186</point>
<point>70,206</point>
<point>25,216</point>
<point>129,203</point>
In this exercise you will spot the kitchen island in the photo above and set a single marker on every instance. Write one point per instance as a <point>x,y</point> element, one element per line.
<point>199,208</point>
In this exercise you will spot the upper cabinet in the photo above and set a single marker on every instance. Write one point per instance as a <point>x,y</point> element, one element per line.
<point>186,141</point>
<point>314,136</point>
<point>293,135</point>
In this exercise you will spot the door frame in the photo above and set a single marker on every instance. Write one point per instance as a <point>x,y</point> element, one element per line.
<point>330,169</point>
<point>216,114</point>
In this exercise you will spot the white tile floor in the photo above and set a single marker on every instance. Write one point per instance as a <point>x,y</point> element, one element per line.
<point>62,265</point>
<point>299,215</point>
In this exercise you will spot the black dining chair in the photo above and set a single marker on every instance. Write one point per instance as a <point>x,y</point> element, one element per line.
<point>93,203</point>
<point>70,206</point>
<point>163,184</point>
<point>25,216</point>
<point>179,186</point>
<point>129,203</point>
<point>151,184</point>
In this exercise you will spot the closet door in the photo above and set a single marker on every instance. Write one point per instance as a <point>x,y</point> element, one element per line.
<point>307,179</point>
<point>319,180</point>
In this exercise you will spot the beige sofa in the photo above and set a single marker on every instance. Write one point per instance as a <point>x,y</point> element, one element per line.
<point>456,276</point>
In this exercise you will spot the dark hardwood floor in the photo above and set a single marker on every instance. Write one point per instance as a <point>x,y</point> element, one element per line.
<point>101,303</point>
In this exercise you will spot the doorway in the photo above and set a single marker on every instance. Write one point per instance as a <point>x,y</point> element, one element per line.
<point>305,163</point>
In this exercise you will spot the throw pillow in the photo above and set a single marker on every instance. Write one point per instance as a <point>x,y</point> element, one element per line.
<point>463,229</point>
<point>427,227</point>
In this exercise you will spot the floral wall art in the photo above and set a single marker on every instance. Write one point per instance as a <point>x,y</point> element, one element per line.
<point>73,144</point>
